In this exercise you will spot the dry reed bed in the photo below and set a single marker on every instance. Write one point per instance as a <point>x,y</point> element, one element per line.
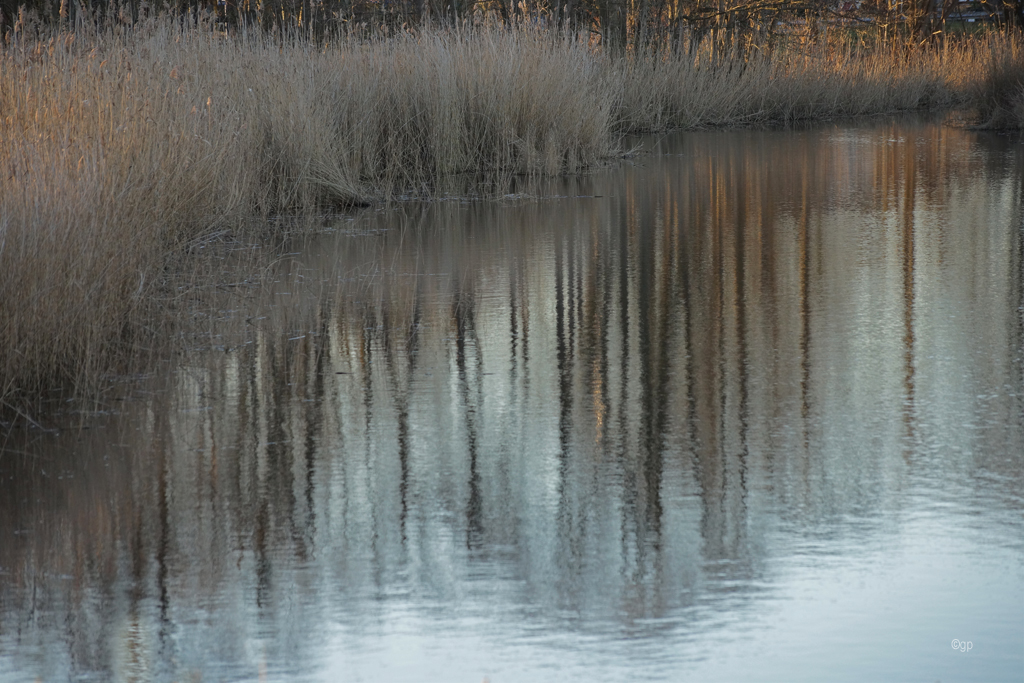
<point>119,151</point>
<point>999,93</point>
<point>826,79</point>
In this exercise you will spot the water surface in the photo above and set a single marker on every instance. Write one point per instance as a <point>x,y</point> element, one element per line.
<point>748,407</point>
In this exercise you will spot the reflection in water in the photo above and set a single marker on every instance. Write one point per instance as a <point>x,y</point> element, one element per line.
<point>651,427</point>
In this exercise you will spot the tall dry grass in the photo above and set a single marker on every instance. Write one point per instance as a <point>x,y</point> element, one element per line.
<point>112,158</point>
<point>721,85</point>
<point>121,149</point>
<point>999,93</point>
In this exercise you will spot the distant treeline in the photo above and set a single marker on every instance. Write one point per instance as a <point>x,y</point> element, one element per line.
<point>613,23</point>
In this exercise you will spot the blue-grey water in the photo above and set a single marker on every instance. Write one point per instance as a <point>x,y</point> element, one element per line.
<point>747,407</point>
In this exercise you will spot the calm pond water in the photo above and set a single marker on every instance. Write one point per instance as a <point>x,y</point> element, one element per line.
<point>750,407</point>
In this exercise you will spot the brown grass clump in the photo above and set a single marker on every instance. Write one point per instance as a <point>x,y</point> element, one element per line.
<point>110,161</point>
<point>121,148</point>
<point>999,92</point>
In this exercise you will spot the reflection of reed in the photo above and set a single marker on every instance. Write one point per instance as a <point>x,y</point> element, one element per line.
<point>609,402</point>
<point>907,256</point>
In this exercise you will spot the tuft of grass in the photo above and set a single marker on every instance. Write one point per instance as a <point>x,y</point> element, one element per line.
<point>125,148</point>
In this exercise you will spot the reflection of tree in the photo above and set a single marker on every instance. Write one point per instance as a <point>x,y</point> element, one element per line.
<point>603,403</point>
